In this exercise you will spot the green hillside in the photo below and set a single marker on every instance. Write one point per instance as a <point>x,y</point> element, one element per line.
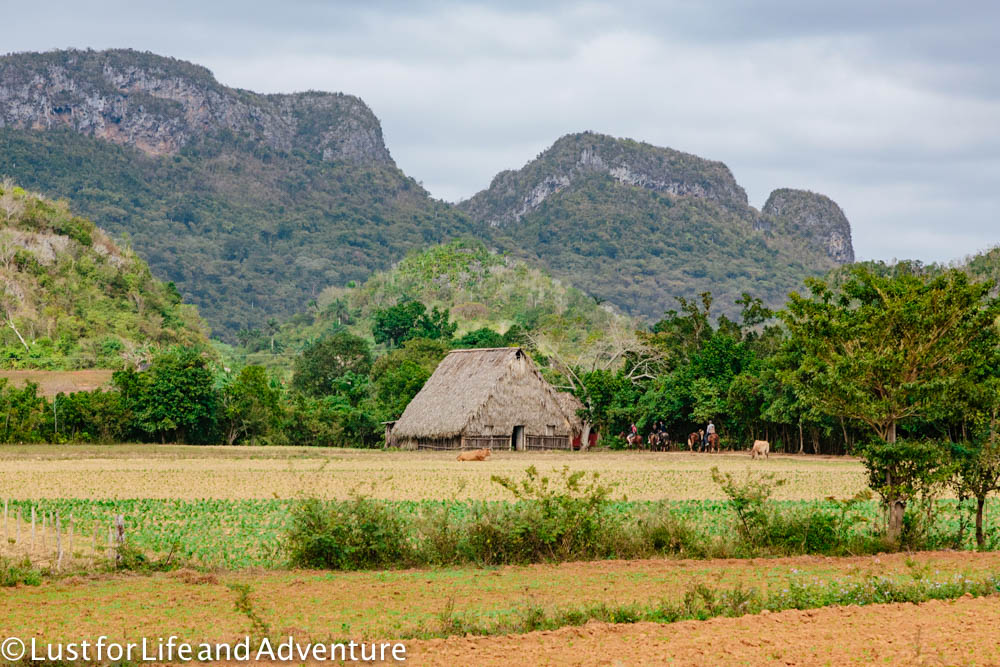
<point>71,298</point>
<point>480,288</point>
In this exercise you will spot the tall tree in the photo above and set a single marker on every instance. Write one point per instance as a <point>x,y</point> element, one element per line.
<point>882,349</point>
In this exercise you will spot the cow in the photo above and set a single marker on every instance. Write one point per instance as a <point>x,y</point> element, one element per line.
<point>760,448</point>
<point>474,455</point>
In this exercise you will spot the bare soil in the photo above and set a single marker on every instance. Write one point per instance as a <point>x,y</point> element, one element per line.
<point>958,632</point>
<point>199,606</point>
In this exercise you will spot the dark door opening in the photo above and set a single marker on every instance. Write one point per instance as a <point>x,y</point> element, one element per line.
<point>517,438</point>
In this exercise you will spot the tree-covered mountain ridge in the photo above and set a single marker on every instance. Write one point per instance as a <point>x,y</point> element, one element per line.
<point>253,204</point>
<point>71,298</point>
<point>638,224</point>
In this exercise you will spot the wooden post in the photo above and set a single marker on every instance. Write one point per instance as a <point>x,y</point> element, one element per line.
<point>120,537</point>
<point>59,551</point>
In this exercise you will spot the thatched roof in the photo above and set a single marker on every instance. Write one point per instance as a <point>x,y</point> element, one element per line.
<point>570,404</point>
<point>464,382</point>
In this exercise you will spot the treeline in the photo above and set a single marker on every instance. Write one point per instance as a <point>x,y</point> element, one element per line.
<point>337,396</point>
<point>900,368</point>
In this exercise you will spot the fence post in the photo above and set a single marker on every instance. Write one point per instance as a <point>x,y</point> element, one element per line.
<point>120,531</point>
<point>59,551</point>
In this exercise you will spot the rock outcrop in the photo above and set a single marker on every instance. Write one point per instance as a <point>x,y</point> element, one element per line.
<point>813,216</point>
<point>159,105</point>
<point>514,194</point>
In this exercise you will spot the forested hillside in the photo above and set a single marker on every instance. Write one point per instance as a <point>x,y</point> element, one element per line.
<point>479,289</point>
<point>251,204</point>
<point>71,298</point>
<point>637,225</point>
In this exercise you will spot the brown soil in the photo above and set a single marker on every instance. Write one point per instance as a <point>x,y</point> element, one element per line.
<point>374,605</point>
<point>960,632</point>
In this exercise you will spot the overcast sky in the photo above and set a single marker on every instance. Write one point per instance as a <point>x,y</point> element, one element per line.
<point>889,107</point>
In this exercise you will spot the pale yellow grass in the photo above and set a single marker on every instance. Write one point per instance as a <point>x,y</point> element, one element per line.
<point>156,471</point>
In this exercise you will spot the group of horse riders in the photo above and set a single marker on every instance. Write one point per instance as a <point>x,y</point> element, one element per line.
<point>706,439</point>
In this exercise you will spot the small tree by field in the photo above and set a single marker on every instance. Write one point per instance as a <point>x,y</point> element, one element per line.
<point>885,350</point>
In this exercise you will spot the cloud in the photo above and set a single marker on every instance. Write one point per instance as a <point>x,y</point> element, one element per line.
<point>889,107</point>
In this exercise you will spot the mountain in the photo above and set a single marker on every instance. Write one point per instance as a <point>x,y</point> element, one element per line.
<point>636,224</point>
<point>481,289</point>
<point>251,204</point>
<point>71,298</point>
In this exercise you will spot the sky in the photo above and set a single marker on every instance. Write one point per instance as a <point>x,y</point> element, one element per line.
<point>890,108</point>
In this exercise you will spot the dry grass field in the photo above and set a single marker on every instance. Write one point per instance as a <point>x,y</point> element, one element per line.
<point>51,383</point>
<point>188,473</point>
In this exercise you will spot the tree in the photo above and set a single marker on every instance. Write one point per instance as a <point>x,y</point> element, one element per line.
<point>483,337</point>
<point>885,348</point>
<point>250,405</point>
<point>174,399</point>
<point>400,374</point>
<point>410,319</point>
<point>327,360</point>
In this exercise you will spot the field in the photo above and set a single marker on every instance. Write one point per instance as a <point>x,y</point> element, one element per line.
<point>230,508</point>
<point>239,473</point>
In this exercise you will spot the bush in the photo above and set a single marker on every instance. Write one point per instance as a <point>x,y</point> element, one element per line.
<point>21,573</point>
<point>354,535</point>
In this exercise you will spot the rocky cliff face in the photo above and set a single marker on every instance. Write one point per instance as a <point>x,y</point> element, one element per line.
<point>815,217</point>
<point>159,105</point>
<point>574,157</point>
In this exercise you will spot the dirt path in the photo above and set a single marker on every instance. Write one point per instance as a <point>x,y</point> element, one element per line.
<point>960,632</point>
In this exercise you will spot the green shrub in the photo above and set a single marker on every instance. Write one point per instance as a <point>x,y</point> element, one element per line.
<point>20,573</point>
<point>353,535</point>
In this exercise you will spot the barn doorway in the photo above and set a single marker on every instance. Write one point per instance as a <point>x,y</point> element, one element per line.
<point>517,439</point>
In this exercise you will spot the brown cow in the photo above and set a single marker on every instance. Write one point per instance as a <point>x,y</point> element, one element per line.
<point>474,455</point>
<point>760,448</point>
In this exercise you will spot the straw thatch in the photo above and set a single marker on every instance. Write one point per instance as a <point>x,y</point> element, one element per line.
<point>476,398</point>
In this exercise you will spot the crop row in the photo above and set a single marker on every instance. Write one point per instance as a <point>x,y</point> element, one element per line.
<point>235,534</point>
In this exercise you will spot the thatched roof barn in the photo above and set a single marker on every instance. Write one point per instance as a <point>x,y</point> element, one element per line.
<point>485,398</point>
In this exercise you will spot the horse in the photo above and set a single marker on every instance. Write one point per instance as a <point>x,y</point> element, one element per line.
<point>713,442</point>
<point>654,441</point>
<point>632,439</point>
<point>693,441</point>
